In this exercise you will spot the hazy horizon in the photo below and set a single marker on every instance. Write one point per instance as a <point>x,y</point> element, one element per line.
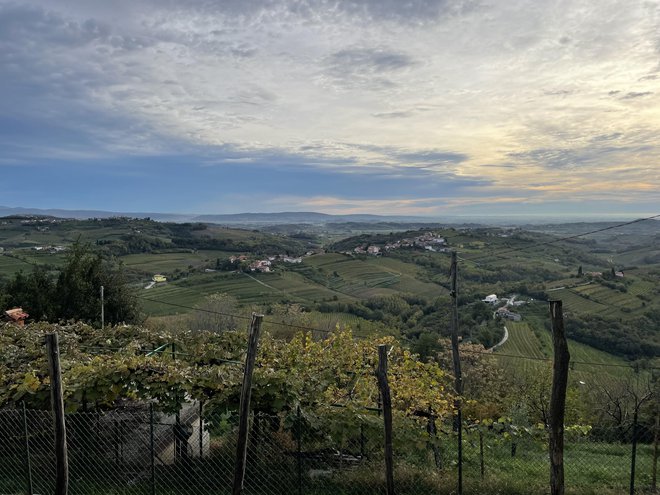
<point>492,219</point>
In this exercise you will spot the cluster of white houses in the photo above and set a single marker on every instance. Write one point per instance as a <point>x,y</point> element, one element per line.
<point>264,265</point>
<point>504,311</point>
<point>429,241</point>
<point>50,249</point>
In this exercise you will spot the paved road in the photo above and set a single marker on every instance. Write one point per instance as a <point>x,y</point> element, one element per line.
<point>501,342</point>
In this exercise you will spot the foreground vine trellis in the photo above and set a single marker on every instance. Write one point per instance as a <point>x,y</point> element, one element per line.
<point>330,381</point>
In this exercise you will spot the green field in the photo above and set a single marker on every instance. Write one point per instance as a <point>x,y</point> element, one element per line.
<point>170,262</point>
<point>10,265</point>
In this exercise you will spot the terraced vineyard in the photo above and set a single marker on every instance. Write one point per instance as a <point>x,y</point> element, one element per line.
<point>529,348</point>
<point>169,262</point>
<point>605,301</point>
<point>373,276</point>
<point>191,291</point>
<point>252,289</point>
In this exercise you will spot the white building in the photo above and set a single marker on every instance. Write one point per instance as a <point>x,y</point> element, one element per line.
<point>491,299</point>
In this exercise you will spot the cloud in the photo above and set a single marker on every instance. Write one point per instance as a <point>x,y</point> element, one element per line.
<point>367,68</point>
<point>571,158</point>
<point>636,94</point>
<point>393,115</point>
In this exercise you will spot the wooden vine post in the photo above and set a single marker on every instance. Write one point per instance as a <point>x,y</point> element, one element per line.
<point>458,384</point>
<point>244,407</point>
<point>384,388</point>
<point>558,399</point>
<point>57,402</point>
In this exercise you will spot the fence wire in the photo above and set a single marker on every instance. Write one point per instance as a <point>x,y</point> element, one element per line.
<point>139,451</point>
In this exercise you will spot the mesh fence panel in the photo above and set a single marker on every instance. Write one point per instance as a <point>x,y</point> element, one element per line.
<point>12,453</point>
<point>131,452</point>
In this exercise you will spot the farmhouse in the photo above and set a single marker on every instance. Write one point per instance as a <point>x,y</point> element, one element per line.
<point>261,265</point>
<point>159,278</point>
<point>504,312</point>
<point>491,299</point>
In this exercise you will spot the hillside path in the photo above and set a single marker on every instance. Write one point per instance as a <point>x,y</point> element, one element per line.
<point>263,283</point>
<point>501,342</point>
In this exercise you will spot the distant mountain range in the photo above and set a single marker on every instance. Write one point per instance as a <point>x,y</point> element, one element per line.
<point>290,217</point>
<point>311,217</point>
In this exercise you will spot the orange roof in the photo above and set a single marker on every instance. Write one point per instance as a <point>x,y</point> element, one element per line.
<point>16,314</point>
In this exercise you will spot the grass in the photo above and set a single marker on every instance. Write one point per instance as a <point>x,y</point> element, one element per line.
<point>591,468</point>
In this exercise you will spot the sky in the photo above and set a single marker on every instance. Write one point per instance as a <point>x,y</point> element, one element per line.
<point>411,107</point>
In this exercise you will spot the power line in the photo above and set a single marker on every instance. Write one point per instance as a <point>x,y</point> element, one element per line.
<point>202,310</point>
<point>147,351</point>
<point>561,239</point>
<point>535,358</point>
<point>221,313</point>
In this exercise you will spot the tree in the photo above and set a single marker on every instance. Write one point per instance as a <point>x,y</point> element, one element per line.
<point>579,273</point>
<point>78,289</point>
<point>618,406</point>
<point>34,293</point>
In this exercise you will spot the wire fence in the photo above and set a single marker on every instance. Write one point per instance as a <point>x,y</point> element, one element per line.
<point>138,450</point>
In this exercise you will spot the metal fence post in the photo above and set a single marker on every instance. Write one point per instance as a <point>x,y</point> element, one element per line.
<point>201,430</point>
<point>362,440</point>
<point>481,454</point>
<point>28,465</point>
<point>633,457</point>
<point>300,480</point>
<point>152,450</point>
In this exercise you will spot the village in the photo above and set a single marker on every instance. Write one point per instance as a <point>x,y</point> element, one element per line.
<point>429,241</point>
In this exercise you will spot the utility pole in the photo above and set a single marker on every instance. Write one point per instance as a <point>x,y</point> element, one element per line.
<point>458,384</point>
<point>102,311</point>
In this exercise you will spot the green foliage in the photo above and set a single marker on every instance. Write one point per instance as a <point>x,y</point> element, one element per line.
<point>76,292</point>
<point>102,367</point>
<point>634,337</point>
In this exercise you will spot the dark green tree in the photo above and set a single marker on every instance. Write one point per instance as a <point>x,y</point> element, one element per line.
<point>33,292</point>
<point>78,289</point>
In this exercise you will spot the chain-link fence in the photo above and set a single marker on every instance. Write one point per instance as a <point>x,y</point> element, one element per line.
<point>138,450</point>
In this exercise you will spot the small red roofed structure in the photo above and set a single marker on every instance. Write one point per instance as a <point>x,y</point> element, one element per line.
<point>15,315</point>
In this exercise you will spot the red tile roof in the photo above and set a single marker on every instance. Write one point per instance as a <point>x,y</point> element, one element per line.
<point>16,314</point>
